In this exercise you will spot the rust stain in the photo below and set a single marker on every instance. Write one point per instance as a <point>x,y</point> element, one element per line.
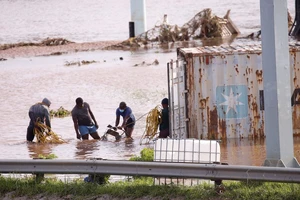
<point>202,102</point>
<point>237,69</point>
<point>200,60</point>
<point>255,126</point>
<point>200,75</point>
<point>207,60</point>
<point>212,123</point>
<point>296,117</point>
<point>248,70</point>
<point>222,127</point>
<point>259,76</point>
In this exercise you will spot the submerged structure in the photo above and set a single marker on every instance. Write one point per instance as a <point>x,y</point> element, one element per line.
<point>217,92</point>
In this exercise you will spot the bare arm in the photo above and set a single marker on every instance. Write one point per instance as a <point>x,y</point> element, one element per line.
<point>125,120</point>
<point>117,120</point>
<point>76,127</point>
<point>93,117</point>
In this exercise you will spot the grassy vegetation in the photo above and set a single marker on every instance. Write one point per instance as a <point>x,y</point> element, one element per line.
<point>144,187</point>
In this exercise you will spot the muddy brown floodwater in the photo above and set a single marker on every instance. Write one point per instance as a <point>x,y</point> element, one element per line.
<point>30,74</point>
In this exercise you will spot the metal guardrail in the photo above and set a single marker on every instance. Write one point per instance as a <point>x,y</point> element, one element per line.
<point>154,169</point>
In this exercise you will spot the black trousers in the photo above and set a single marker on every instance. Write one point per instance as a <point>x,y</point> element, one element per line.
<point>30,134</point>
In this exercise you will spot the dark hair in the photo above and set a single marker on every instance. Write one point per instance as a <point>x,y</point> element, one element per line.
<point>79,101</point>
<point>165,101</point>
<point>122,105</point>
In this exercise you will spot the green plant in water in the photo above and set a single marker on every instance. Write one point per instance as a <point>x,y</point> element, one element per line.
<point>61,112</point>
<point>50,156</point>
<point>147,154</point>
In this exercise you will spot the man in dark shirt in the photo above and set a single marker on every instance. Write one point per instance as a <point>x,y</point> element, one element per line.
<point>39,112</point>
<point>128,120</point>
<point>83,118</point>
<point>164,125</point>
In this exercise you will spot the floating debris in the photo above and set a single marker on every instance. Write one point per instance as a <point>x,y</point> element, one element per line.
<point>55,42</point>
<point>79,63</point>
<point>155,62</point>
<point>57,53</point>
<point>61,112</point>
<point>3,59</point>
<point>203,25</point>
<point>45,42</point>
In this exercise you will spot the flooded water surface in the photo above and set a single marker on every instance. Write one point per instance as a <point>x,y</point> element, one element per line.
<point>115,76</point>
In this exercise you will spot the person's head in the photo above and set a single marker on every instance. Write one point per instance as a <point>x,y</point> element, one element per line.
<point>46,102</point>
<point>122,106</point>
<point>79,102</point>
<point>165,102</point>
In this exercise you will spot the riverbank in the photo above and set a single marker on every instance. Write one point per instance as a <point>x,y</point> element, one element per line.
<point>34,50</point>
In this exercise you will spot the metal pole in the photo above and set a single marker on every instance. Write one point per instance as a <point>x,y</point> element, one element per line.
<point>138,16</point>
<point>277,84</point>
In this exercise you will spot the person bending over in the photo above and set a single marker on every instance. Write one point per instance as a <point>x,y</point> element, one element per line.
<point>38,112</point>
<point>128,119</point>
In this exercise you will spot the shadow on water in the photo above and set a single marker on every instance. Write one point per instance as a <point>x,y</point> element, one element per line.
<point>36,149</point>
<point>85,148</point>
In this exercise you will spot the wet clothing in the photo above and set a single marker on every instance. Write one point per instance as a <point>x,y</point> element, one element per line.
<point>37,112</point>
<point>130,123</point>
<point>127,113</point>
<point>164,125</point>
<point>82,115</point>
<point>87,129</point>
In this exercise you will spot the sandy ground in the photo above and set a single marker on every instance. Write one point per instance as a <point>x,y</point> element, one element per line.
<point>29,51</point>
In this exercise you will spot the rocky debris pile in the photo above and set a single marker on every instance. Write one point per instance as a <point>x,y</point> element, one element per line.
<point>45,42</point>
<point>203,25</point>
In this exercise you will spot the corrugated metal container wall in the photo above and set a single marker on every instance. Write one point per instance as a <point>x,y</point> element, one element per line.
<point>224,97</point>
<point>295,87</point>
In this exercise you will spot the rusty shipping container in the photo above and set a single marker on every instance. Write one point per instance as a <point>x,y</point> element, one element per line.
<point>217,92</point>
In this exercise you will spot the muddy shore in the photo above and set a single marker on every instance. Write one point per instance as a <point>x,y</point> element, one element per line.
<point>29,51</point>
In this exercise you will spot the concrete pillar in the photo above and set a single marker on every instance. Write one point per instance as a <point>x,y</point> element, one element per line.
<point>277,84</point>
<point>138,16</point>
